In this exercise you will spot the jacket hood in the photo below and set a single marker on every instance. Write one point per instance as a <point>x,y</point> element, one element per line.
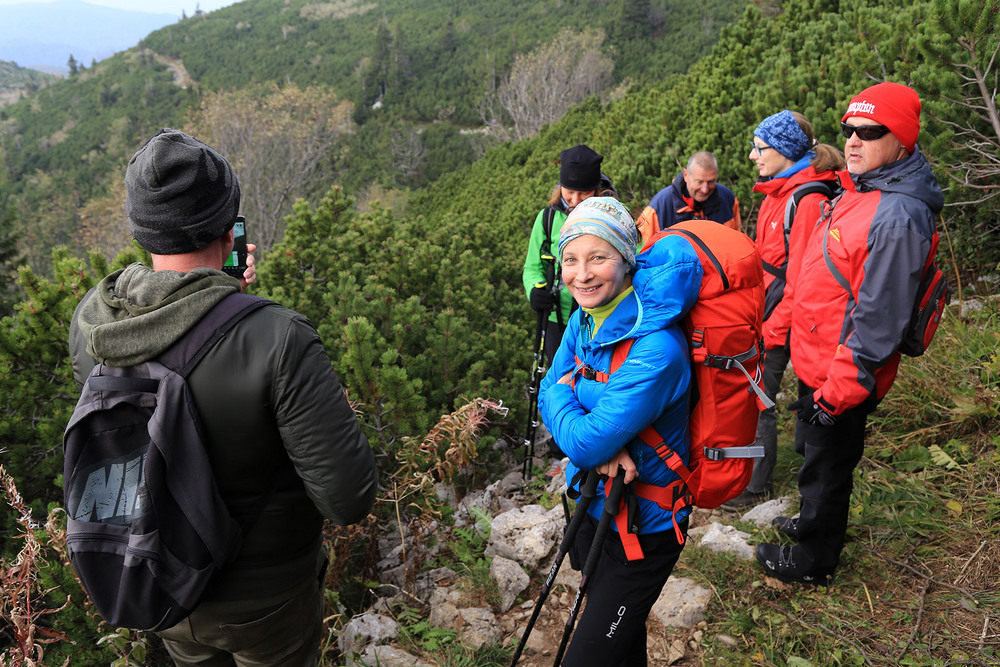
<point>135,313</point>
<point>911,176</point>
<point>666,284</point>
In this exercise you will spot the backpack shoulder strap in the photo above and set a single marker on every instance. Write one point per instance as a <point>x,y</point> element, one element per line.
<point>825,188</point>
<point>837,275</point>
<point>185,354</point>
<point>618,357</point>
<point>188,350</point>
<point>548,215</point>
<point>545,250</point>
<point>622,348</point>
<point>694,238</point>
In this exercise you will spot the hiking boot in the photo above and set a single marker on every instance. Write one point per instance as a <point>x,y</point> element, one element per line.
<point>779,562</point>
<point>788,526</point>
<point>746,499</point>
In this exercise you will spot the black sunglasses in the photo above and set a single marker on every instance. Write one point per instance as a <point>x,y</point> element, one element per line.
<point>864,132</point>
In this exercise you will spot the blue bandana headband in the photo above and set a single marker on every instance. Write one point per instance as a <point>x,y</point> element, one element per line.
<point>782,133</point>
<point>605,218</point>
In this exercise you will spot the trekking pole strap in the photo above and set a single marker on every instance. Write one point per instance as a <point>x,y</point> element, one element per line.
<point>629,537</point>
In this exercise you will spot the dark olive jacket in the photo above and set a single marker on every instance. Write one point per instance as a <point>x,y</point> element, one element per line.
<point>275,415</point>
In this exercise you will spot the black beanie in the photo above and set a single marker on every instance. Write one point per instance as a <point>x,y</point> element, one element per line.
<point>181,194</point>
<point>580,168</point>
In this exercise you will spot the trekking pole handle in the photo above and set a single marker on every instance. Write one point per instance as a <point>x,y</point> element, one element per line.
<point>588,490</point>
<point>610,510</point>
<point>615,494</point>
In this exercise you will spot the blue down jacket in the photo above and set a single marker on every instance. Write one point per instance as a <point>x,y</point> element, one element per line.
<point>594,421</point>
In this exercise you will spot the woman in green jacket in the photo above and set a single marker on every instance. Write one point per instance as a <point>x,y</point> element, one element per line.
<point>580,178</point>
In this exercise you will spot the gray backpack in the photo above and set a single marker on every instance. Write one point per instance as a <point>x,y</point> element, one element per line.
<point>146,526</point>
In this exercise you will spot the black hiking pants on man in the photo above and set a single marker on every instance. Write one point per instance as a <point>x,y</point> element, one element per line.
<point>826,480</point>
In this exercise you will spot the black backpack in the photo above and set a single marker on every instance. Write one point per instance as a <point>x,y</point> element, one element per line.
<point>146,526</point>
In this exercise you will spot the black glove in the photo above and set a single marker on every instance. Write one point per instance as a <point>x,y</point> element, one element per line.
<point>812,412</point>
<point>541,299</point>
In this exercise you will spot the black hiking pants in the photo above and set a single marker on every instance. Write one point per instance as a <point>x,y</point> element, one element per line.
<point>826,480</point>
<point>611,631</point>
<point>773,369</point>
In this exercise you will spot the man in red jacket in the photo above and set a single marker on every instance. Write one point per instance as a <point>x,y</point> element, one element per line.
<point>845,344</point>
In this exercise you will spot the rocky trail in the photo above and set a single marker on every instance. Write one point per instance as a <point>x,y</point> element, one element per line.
<point>524,538</point>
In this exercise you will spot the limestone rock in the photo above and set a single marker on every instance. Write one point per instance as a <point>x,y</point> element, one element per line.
<point>763,514</point>
<point>526,535</point>
<point>682,603</point>
<point>366,629</point>
<point>510,579</point>
<point>721,538</point>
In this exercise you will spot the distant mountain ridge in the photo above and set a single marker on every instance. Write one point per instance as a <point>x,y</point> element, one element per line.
<point>43,36</point>
<point>16,82</point>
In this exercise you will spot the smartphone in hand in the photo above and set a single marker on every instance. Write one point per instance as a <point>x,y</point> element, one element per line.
<point>236,264</point>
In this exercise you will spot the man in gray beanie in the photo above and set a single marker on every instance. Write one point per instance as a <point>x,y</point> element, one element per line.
<point>276,421</point>
<point>182,194</point>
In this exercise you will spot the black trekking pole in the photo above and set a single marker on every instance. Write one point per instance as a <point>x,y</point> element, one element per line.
<point>610,510</point>
<point>537,371</point>
<point>587,491</point>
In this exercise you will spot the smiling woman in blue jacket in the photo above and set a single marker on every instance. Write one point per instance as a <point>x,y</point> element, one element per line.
<point>597,419</point>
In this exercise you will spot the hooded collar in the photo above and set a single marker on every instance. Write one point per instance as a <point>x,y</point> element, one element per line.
<point>910,176</point>
<point>666,284</point>
<point>135,313</point>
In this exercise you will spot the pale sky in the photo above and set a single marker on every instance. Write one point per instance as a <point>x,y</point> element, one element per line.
<point>152,6</point>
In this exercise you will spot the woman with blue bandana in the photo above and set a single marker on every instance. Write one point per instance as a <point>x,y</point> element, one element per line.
<point>596,413</point>
<point>789,159</point>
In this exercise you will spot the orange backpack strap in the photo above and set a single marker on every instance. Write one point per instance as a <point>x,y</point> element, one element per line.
<point>673,497</point>
<point>628,512</point>
<point>618,357</point>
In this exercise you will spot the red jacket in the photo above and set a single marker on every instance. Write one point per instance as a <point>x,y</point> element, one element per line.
<point>771,242</point>
<point>844,345</point>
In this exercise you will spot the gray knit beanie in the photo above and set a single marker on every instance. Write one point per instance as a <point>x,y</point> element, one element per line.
<point>606,218</point>
<point>181,194</point>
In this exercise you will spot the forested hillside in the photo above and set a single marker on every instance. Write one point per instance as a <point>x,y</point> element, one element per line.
<point>17,82</point>
<point>422,311</point>
<point>418,74</point>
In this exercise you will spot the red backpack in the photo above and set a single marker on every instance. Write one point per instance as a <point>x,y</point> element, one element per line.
<point>933,293</point>
<point>723,330</point>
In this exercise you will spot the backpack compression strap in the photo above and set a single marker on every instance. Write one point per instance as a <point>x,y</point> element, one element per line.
<point>700,355</point>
